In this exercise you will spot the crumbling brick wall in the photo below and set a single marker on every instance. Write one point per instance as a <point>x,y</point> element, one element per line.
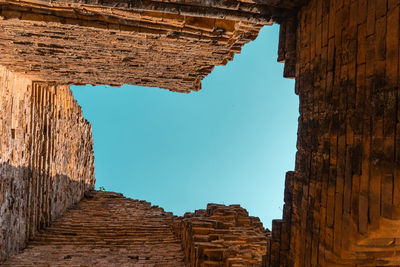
<point>223,236</point>
<point>106,229</point>
<point>46,160</point>
<point>80,44</point>
<point>342,201</point>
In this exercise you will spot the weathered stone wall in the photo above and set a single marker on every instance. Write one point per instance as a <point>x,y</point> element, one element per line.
<point>99,45</point>
<point>106,229</point>
<point>237,10</point>
<point>342,202</point>
<point>46,160</point>
<point>223,236</point>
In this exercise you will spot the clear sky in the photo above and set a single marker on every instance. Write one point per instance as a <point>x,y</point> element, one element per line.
<point>231,143</point>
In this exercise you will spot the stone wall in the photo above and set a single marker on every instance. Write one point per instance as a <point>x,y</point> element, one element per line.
<point>223,236</point>
<point>81,45</point>
<point>342,202</point>
<point>46,160</point>
<point>107,229</point>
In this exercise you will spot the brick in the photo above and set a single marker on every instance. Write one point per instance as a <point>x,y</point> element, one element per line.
<point>137,233</point>
<point>343,200</point>
<point>43,194</point>
<point>126,41</point>
<point>392,47</point>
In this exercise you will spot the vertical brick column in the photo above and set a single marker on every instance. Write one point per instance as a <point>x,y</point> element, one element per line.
<point>345,191</point>
<point>46,160</point>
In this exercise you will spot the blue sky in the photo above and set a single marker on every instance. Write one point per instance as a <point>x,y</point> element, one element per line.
<point>230,143</point>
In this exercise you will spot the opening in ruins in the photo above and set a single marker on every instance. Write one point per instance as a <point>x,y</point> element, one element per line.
<point>342,198</point>
<point>229,143</point>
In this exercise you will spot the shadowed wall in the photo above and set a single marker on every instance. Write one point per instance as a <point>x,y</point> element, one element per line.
<point>342,201</point>
<point>46,161</point>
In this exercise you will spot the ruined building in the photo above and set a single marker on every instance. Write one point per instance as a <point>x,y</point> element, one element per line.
<point>342,201</point>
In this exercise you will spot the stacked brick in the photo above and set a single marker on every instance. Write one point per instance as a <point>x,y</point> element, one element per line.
<point>263,12</point>
<point>236,10</point>
<point>343,199</point>
<point>342,202</point>
<point>106,230</point>
<point>46,160</point>
<point>287,45</point>
<point>278,251</point>
<point>223,236</point>
<point>247,9</point>
<point>70,44</point>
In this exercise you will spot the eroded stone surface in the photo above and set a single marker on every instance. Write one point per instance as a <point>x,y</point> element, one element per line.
<point>46,160</point>
<point>113,46</point>
<point>109,230</point>
<point>342,201</point>
<point>223,236</point>
<point>106,230</point>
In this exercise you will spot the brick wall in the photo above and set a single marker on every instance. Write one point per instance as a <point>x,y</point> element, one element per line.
<point>343,199</point>
<point>98,45</point>
<point>223,236</point>
<point>46,160</point>
<point>106,229</point>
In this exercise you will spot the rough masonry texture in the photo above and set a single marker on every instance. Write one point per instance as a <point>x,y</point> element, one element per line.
<point>71,43</point>
<point>223,236</point>
<point>110,230</point>
<point>46,161</point>
<point>342,201</point>
<point>106,230</point>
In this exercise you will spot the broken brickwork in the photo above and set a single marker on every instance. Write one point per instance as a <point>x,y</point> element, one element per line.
<point>88,44</point>
<point>107,229</point>
<point>46,160</point>
<point>46,45</point>
<point>342,201</point>
<point>223,236</point>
